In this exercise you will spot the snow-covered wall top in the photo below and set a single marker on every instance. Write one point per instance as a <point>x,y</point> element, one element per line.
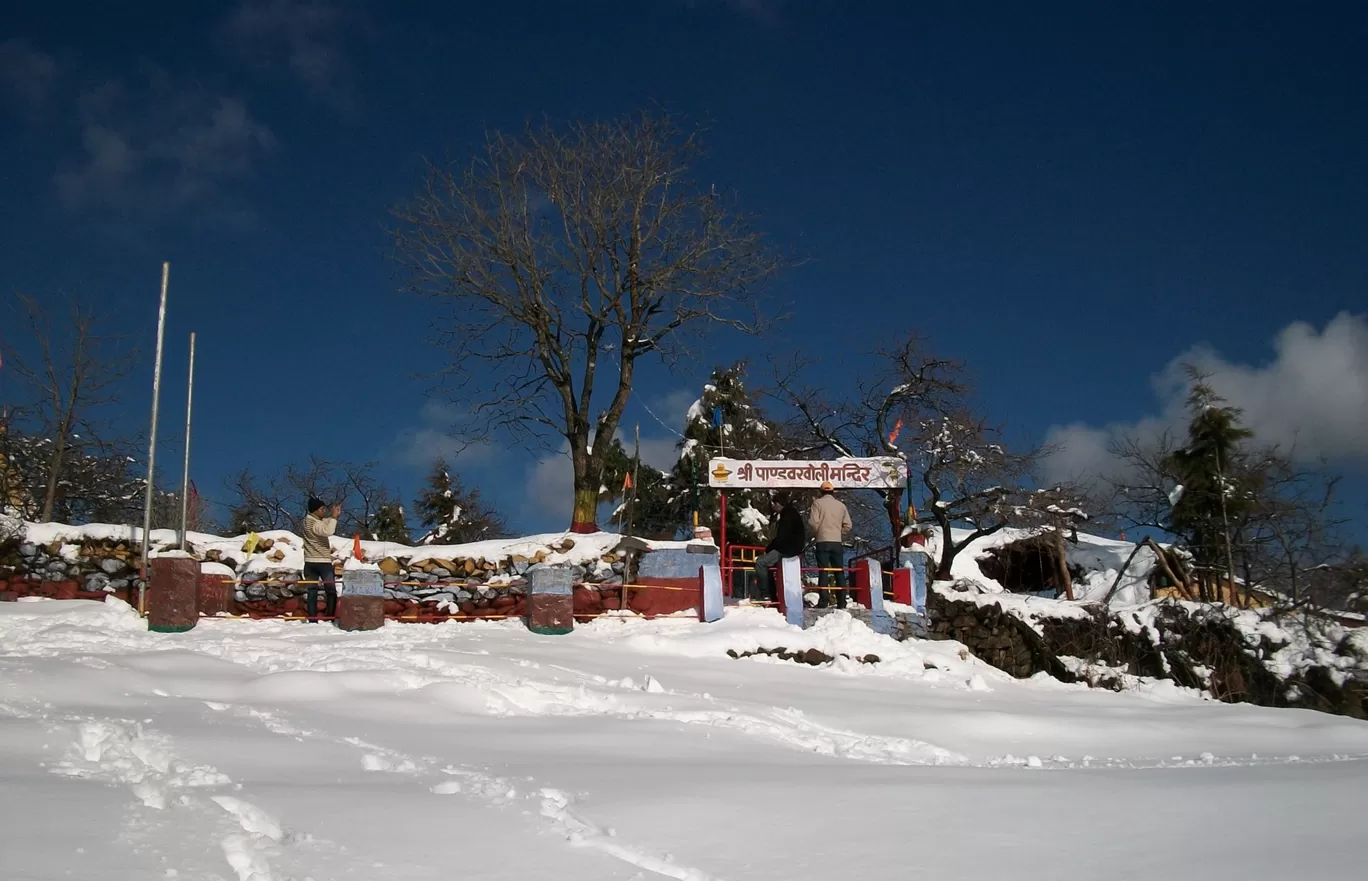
<point>286,548</point>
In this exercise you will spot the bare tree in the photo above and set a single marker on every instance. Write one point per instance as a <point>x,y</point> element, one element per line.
<point>1284,530</point>
<point>1146,483</point>
<point>972,478</point>
<point>1289,526</point>
<point>907,385</point>
<point>364,498</point>
<point>257,506</point>
<point>279,502</point>
<point>560,249</point>
<point>78,370</point>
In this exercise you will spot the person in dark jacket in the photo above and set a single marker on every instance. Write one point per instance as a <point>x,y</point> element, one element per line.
<point>790,537</point>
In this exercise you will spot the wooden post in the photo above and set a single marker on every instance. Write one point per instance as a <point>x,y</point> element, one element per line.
<point>1061,550</point>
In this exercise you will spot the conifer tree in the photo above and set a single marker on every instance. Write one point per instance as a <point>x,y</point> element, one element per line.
<point>651,507</point>
<point>450,514</point>
<point>1214,488</point>
<point>388,524</point>
<point>743,432</point>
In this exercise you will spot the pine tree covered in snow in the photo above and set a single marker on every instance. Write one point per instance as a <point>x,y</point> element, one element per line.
<point>388,524</point>
<point>450,514</point>
<point>745,433</point>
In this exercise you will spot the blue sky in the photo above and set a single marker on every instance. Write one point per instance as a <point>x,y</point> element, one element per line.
<point>1068,196</point>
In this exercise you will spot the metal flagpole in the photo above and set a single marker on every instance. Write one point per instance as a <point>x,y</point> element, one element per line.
<point>721,492</point>
<point>185,475</point>
<point>636,477</point>
<point>152,443</point>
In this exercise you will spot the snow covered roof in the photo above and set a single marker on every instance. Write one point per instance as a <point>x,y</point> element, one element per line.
<point>1100,559</point>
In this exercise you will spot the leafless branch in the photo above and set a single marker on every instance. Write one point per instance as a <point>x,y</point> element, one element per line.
<point>561,249</point>
<point>78,370</point>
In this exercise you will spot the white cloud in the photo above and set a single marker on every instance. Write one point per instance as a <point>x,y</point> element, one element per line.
<point>550,487</point>
<point>139,148</point>
<point>674,406</point>
<point>29,75</point>
<point>155,153</point>
<point>1312,398</point>
<point>660,453</point>
<point>306,38</point>
<point>435,436</point>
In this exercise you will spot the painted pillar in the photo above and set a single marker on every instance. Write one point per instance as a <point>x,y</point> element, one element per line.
<point>173,593</point>
<point>550,600</point>
<point>790,593</point>
<point>914,560</point>
<point>361,605</point>
<point>869,593</point>
<point>710,584</point>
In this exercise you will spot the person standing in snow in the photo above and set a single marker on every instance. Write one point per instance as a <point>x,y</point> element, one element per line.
<point>318,562</point>
<point>790,537</point>
<point>830,521</point>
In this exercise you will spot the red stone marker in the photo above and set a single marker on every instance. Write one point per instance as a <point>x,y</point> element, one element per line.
<point>173,593</point>
<point>550,600</point>
<point>215,595</point>
<point>362,603</point>
<point>360,613</point>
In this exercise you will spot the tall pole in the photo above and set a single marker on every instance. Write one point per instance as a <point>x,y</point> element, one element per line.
<point>721,493</point>
<point>152,442</point>
<point>1225,526</point>
<point>185,475</point>
<point>636,476</point>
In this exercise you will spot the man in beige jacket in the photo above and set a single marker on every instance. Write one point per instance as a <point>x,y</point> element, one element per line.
<point>830,520</point>
<point>318,561</point>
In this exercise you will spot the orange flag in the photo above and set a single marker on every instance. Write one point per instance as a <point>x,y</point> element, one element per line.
<point>893,435</point>
<point>356,546</point>
<point>627,481</point>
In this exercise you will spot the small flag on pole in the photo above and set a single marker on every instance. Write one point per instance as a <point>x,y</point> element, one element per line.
<point>356,546</point>
<point>717,417</point>
<point>893,436</point>
<point>627,481</point>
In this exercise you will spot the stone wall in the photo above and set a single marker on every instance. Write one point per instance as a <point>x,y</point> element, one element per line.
<point>989,633</point>
<point>420,587</point>
<point>91,570</point>
<point>1235,655</point>
<point>906,625</point>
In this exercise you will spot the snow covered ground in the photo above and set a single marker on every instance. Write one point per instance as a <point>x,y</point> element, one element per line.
<point>266,750</point>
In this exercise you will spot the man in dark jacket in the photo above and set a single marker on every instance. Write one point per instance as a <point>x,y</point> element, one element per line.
<point>790,537</point>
